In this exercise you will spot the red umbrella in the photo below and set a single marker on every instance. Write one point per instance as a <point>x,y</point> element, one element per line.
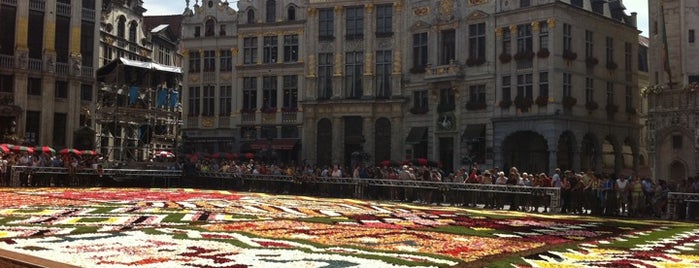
<point>46,149</point>
<point>88,152</point>
<point>23,149</point>
<point>4,149</point>
<point>164,154</point>
<point>70,151</point>
<point>385,163</point>
<point>235,156</point>
<point>249,155</point>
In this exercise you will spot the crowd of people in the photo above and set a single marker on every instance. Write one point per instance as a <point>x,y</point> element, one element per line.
<point>71,161</point>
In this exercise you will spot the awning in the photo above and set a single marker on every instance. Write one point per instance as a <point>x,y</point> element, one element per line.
<point>416,135</point>
<point>275,144</point>
<point>474,131</point>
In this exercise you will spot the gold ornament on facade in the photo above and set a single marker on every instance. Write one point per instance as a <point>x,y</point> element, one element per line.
<point>312,11</point>
<point>234,51</point>
<point>311,65</point>
<point>513,29</point>
<point>207,122</point>
<point>338,64</point>
<point>226,77</point>
<point>551,22</point>
<point>535,26</point>
<point>476,2</point>
<point>397,64</point>
<point>421,11</point>
<point>398,5</point>
<point>498,32</point>
<point>369,8</point>
<point>194,78</point>
<point>185,54</point>
<point>368,60</point>
<point>446,7</point>
<point>338,9</point>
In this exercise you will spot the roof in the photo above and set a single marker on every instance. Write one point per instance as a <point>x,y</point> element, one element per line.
<point>138,64</point>
<point>159,28</point>
<point>174,21</point>
<point>644,41</point>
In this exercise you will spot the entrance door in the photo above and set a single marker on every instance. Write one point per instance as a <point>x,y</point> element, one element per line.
<point>446,153</point>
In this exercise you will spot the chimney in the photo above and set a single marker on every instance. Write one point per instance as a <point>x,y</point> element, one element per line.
<point>633,20</point>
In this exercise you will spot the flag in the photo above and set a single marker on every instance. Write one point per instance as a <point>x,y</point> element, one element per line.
<point>665,55</point>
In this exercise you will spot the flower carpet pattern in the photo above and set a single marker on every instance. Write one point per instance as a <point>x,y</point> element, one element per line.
<point>201,228</point>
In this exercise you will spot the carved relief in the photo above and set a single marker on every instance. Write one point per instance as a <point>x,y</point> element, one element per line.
<point>234,51</point>
<point>311,65</point>
<point>369,8</point>
<point>498,32</point>
<point>368,63</point>
<point>397,64</point>
<point>398,6</point>
<point>476,2</point>
<point>535,26</point>
<point>385,43</point>
<point>325,47</point>
<point>551,23</point>
<point>421,11</point>
<point>446,8</point>
<point>337,65</point>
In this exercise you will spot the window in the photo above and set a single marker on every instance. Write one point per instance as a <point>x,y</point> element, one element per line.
<point>121,27</point>
<point>447,98</point>
<point>222,30</point>
<point>61,90</point>
<point>325,24</point>
<point>225,99</point>
<point>325,74</point>
<point>589,44</point>
<point>544,84</point>
<point>477,94</point>
<point>676,142</point>
<point>209,61</point>
<point>85,92</point>
<point>209,26</point>
<point>506,40</point>
<point>567,37</point>
<point>194,61</point>
<point>8,16</point>
<point>60,121</point>
<point>610,93</point>
<point>34,86</point>
<point>269,49</point>
<point>589,90</point>
<point>420,99</point>
<point>383,73</point>
<point>291,91</point>
<point>447,47</point>
<point>290,132</point>
<point>354,62</point>
<point>194,104</point>
<point>271,11</point>
<point>268,132</point>
<point>291,48</point>
<point>251,16</point>
<point>35,42</point>
<point>354,22</point>
<point>249,93</point>
<point>506,88</point>
<point>250,50</point>
<point>577,3</point>
<point>524,86</point>
<point>197,31</point>
<point>524,3</point>
<point>291,13</point>
<point>643,59</point>
<point>628,98</point>
<point>610,50</point>
<point>269,92</point>
<point>567,85</point>
<point>33,127</point>
<point>419,51</point>
<point>384,19</point>
<point>628,66</point>
<point>226,61</point>
<point>208,99</point>
<point>543,35</point>
<point>133,27</point>
<point>690,36</point>
<point>598,6</point>
<point>7,83</point>
<point>476,41</point>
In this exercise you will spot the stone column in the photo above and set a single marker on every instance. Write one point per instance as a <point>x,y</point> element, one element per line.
<point>553,159</point>
<point>338,85</point>
<point>397,142</point>
<point>369,136</point>
<point>338,141</point>
<point>577,161</point>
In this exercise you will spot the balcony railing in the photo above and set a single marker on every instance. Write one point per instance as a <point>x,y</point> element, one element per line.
<point>289,117</point>
<point>38,5</point>
<point>449,71</point>
<point>7,61</point>
<point>133,48</point>
<point>63,9</point>
<point>248,117</point>
<point>675,99</point>
<point>35,65</point>
<point>9,2</point>
<point>121,43</point>
<point>209,77</point>
<point>88,14</point>
<point>62,68</point>
<point>87,71</point>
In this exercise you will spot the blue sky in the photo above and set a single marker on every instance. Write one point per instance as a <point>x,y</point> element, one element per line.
<point>168,7</point>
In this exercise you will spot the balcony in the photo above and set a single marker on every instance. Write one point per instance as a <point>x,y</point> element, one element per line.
<point>289,117</point>
<point>9,2</point>
<point>88,14</point>
<point>451,71</point>
<point>248,117</point>
<point>673,100</point>
<point>37,5</point>
<point>63,9</point>
<point>87,71</point>
<point>62,68</point>
<point>35,65</point>
<point>7,61</point>
<point>209,77</point>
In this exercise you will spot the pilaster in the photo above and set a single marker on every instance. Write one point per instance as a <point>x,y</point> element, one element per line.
<point>338,141</point>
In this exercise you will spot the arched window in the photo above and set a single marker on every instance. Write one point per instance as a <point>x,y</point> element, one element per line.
<point>251,16</point>
<point>132,31</point>
<point>291,13</point>
<point>209,26</point>
<point>121,27</point>
<point>271,11</point>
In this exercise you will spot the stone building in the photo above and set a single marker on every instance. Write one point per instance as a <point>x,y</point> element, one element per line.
<point>48,54</point>
<point>673,104</point>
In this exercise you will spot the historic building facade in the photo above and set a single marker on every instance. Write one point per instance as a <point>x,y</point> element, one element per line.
<point>48,54</point>
<point>673,101</point>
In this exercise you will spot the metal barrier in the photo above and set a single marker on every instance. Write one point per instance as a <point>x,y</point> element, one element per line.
<point>681,203</point>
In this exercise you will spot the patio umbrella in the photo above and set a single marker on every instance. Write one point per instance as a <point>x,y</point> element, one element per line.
<point>70,151</point>
<point>249,155</point>
<point>46,149</point>
<point>23,149</point>
<point>4,149</point>
<point>221,155</point>
<point>164,154</point>
<point>88,152</point>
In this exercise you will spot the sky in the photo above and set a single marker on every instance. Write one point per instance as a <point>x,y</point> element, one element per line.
<point>169,7</point>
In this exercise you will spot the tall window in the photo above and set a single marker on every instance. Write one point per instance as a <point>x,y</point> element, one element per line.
<point>524,38</point>
<point>448,46</point>
<point>476,41</point>
<point>34,86</point>
<point>543,35</point>
<point>629,98</point>
<point>197,31</point>
<point>589,44</point>
<point>325,24</point>
<point>269,92</point>
<point>121,27</point>
<point>690,36</point>
<point>251,16</point>
<point>133,27</point>
<point>249,93</point>
<point>291,48</point>
<point>524,3</point>
<point>209,27</point>
<point>226,61</point>
<point>62,89</point>
<point>506,88</point>
<point>225,99</point>
<point>85,92</point>
<point>291,91</point>
<point>60,121</point>
<point>271,11</point>
<point>577,3</point>
<point>610,93</point>
<point>567,85</point>
<point>354,61</point>
<point>250,50</point>
<point>209,97</point>
<point>544,84</point>
<point>194,101</point>
<point>291,13</point>
<point>589,90</point>
<point>354,22</point>
<point>567,37</point>
<point>477,94</point>
<point>383,73</point>
<point>7,83</point>
<point>420,99</point>
<point>628,63</point>
<point>447,98</point>
<point>598,6</point>
<point>610,49</point>
<point>419,51</point>
<point>506,40</point>
<point>269,51</point>
<point>384,19</point>
<point>325,74</point>
<point>524,86</point>
<point>209,61</point>
<point>194,61</point>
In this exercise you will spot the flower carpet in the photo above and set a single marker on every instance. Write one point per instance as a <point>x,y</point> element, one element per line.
<point>108,227</point>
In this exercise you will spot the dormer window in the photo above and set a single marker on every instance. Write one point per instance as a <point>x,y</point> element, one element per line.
<point>251,16</point>
<point>271,11</point>
<point>291,13</point>
<point>209,27</point>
